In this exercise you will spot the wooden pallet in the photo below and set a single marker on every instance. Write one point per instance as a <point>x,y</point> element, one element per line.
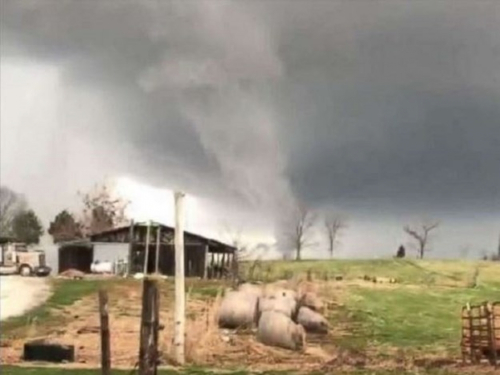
<point>481,333</point>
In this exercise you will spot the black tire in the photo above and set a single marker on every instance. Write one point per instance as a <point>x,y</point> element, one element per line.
<point>48,352</point>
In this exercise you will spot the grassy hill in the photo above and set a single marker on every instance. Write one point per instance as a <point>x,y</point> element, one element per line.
<point>429,272</point>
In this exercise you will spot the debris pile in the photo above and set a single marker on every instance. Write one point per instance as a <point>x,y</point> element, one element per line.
<point>72,274</point>
<point>380,280</point>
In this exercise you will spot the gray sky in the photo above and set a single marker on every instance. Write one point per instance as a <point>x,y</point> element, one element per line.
<point>388,111</point>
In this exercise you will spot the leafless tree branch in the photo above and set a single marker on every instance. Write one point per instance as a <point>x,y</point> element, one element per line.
<point>102,210</point>
<point>334,224</point>
<point>421,235</point>
<point>298,229</point>
<point>11,204</point>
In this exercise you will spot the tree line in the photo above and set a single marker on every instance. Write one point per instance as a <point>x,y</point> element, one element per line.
<point>301,224</point>
<point>17,219</point>
<point>100,210</point>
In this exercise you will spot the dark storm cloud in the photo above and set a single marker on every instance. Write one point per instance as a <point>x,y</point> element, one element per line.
<point>396,108</point>
<point>108,46</point>
<point>427,151</point>
<point>368,105</point>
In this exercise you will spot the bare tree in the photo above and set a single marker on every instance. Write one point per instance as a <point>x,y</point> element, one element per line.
<point>334,224</point>
<point>298,229</point>
<point>421,235</point>
<point>234,237</point>
<point>244,250</point>
<point>102,210</point>
<point>11,204</point>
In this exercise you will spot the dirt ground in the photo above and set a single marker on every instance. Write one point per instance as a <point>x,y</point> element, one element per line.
<point>34,291</point>
<point>206,344</point>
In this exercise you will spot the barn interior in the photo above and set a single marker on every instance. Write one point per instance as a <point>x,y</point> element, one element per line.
<point>77,255</point>
<point>151,249</point>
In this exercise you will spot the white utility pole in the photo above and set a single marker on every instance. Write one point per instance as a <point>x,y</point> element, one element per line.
<point>146,254</point>
<point>180,297</point>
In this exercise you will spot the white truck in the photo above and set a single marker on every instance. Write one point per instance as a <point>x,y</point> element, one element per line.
<point>17,258</point>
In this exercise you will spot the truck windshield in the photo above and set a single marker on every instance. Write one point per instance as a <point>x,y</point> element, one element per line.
<point>21,248</point>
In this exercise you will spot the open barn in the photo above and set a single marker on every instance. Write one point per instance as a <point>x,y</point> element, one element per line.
<point>152,244</point>
<point>77,255</point>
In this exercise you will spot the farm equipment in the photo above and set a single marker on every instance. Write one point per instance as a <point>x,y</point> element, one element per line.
<point>481,333</point>
<point>17,258</point>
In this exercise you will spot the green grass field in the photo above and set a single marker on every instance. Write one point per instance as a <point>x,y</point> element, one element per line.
<point>419,314</point>
<point>416,318</point>
<point>409,272</point>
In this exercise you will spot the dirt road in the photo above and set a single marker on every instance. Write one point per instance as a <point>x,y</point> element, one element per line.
<point>19,294</point>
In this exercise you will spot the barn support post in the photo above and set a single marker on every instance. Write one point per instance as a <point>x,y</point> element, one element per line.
<point>212,265</point>
<point>157,258</point>
<point>146,254</point>
<point>222,259</point>
<point>223,265</point>
<point>105,334</point>
<point>234,269</point>
<point>130,247</point>
<point>216,266</point>
<point>180,302</point>
<point>148,346</point>
<point>205,264</point>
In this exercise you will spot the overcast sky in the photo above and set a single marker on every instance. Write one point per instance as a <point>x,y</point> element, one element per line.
<point>387,111</point>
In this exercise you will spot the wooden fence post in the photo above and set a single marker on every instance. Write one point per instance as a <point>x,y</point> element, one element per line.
<point>205,265</point>
<point>148,347</point>
<point>491,333</point>
<point>105,336</point>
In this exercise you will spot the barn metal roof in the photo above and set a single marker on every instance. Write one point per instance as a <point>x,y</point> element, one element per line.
<point>103,236</point>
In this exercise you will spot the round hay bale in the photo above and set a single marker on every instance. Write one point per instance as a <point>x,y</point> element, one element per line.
<point>238,309</point>
<point>252,289</point>
<point>312,321</point>
<point>271,291</point>
<point>280,304</point>
<point>275,329</point>
<point>312,301</point>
